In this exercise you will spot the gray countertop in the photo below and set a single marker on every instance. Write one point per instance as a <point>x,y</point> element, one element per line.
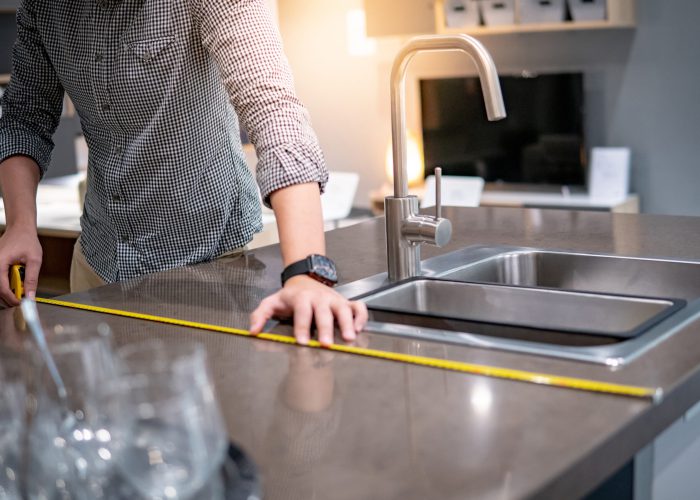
<point>335,426</point>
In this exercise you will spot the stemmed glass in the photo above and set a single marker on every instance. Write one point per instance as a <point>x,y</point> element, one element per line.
<point>177,438</point>
<point>73,457</point>
<point>12,422</point>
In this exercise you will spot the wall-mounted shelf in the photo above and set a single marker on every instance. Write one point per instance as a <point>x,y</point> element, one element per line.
<point>620,15</point>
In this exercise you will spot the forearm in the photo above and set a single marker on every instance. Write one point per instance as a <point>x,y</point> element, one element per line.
<point>19,177</point>
<point>299,221</point>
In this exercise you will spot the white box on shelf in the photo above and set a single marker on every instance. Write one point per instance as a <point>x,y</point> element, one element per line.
<point>461,13</point>
<point>587,10</point>
<point>457,191</point>
<point>541,11</point>
<point>498,12</point>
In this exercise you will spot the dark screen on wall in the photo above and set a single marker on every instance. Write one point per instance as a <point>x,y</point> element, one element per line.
<point>540,142</point>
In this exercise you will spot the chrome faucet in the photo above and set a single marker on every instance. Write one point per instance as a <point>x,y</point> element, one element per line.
<point>406,229</point>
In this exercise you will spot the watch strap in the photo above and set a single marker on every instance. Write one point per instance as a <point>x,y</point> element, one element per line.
<point>300,267</point>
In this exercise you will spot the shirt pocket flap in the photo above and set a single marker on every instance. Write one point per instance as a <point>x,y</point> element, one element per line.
<point>146,50</point>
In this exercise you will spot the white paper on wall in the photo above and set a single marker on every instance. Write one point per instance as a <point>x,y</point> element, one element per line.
<point>609,174</point>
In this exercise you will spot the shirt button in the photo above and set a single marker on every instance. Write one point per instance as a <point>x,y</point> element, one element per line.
<point>106,107</point>
<point>119,150</point>
<point>125,238</point>
<point>99,57</point>
<point>116,197</point>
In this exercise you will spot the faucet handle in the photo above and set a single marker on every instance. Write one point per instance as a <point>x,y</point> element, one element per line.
<point>438,192</point>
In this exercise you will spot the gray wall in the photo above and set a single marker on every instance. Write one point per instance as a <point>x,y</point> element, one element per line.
<point>652,104</point>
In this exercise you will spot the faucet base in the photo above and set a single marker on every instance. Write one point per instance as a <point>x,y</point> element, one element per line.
<point>403,255</point>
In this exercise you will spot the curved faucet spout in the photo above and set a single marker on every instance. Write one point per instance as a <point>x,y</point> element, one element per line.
<point>406,228</point>
<point>491,87</point>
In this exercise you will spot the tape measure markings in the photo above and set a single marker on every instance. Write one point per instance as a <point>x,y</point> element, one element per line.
<point>581,384</point>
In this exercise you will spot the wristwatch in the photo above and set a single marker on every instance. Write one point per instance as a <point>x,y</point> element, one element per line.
<point>318,267</point>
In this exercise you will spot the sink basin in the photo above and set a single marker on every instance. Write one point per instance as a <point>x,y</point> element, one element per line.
<point>531,308</point>
<point>588,307</point>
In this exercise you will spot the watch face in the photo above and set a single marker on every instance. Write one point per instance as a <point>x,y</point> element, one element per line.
<point>324,268</point>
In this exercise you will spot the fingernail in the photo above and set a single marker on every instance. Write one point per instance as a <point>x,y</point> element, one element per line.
<point>31,295</point>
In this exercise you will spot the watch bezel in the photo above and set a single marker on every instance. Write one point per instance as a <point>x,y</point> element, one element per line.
<point>322,269</point>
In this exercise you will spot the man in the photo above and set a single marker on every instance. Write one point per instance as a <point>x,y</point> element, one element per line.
<point>167,183</point>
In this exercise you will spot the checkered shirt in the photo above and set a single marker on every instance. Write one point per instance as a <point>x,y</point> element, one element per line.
<point>153,82</point>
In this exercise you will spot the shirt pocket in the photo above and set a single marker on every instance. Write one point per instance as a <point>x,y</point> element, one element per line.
<point>148,51</point>
<point>148,63</point>
<point>148,43</point>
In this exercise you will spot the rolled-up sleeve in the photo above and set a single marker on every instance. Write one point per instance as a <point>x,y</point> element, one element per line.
<point>245,42</point>
<point>32,103</point>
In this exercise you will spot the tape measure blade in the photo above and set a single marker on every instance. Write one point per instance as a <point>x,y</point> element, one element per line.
<point>550,380</point>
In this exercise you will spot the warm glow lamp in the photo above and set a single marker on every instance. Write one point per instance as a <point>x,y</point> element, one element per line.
<point>415,161</point>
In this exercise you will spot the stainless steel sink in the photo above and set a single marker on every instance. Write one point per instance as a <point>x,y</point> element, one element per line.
<point>589,307</point>
<point>532,308</point>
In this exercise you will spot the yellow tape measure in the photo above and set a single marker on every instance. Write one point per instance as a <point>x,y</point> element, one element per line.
<point>17,280</point>
<point>457,366</point>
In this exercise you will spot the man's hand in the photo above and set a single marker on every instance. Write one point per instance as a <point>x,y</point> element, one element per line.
<point>307,299</point>
<point>19,246</point>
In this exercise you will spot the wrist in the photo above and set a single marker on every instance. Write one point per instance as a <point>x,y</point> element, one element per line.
<point>300,279</point>
<point>21,226</point>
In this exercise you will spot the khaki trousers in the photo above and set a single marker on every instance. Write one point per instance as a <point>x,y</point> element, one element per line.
<point>82,277</point>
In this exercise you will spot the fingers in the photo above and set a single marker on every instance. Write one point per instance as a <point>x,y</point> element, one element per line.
<point>19,246</point>
<point>303,314</point>
<point>31,277</point>
<point>361,316</point>
<point>267,308</point>
<point>5,293</point>
<point>324,323</point>
<point>343,314</point>
<point>316,304</point>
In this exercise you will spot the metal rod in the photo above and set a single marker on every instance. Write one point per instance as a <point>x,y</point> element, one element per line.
<point>438,192</point>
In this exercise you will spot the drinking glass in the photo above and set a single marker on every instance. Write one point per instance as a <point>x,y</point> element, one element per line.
<point>177,438</point>
<point>12,422</point>
<point>74,442</point>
